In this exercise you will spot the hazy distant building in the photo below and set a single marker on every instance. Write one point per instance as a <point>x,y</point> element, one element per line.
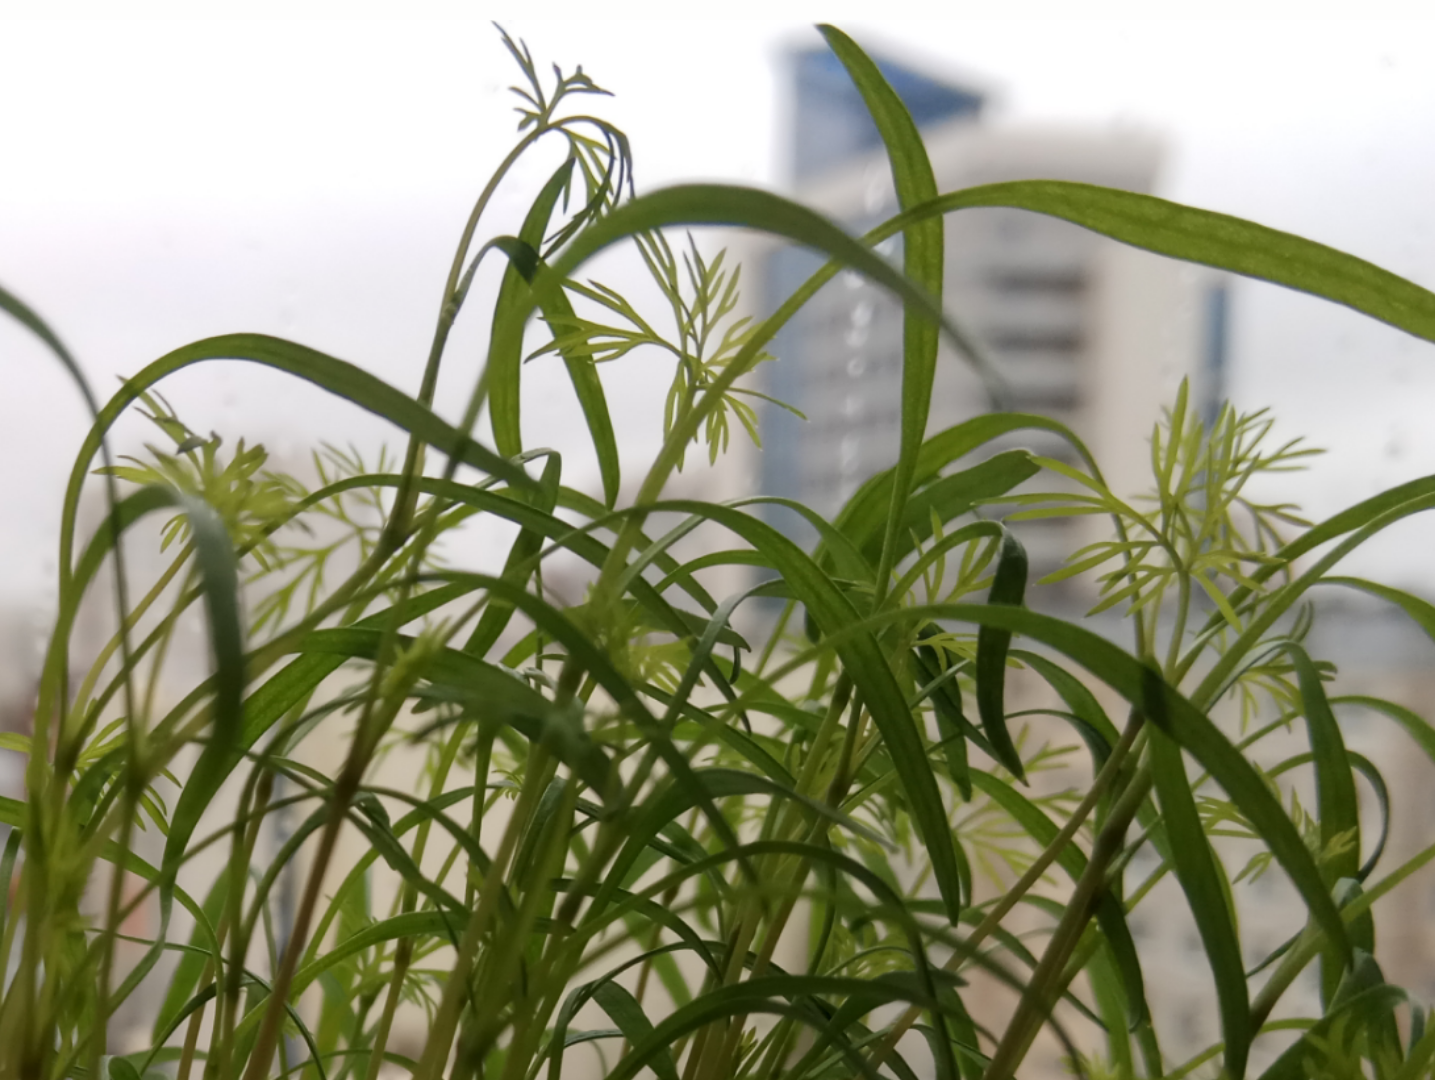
<point>1080,328</point>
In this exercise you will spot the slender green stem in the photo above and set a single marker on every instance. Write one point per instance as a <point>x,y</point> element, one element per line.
<point>1044,986</point>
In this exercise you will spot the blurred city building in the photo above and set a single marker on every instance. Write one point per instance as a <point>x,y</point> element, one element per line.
<point>1078,327</point>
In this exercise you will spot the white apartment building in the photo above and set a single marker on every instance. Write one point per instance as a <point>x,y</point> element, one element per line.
<point>1077,327</point>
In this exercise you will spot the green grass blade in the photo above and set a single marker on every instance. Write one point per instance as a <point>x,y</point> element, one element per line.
<point>522,556</point>
<point>922,261</point>
<point>948,497</point>
<point>861,518</point>
<point>946,697</point>
<point>342,379</point>
<point>505,356</point>
<point>1366,768</point>
<point>265,707</point>
<point>219,577</point>
<point>1196,871</point>
<point>505,352</point>
<point>1421,612</point>
<point>185,979</point>
<point>1367,1005</point>
<point>493,695</point>
<point>1008,588</point>
<point>733,205</point>
<point>1416,726</point>
<point>1337,810</point>
<point>1334,778</point>
<point>625,1011</point>
<point>1219,240</point>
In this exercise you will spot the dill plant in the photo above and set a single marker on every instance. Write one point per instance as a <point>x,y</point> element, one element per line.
<point>637,838</point>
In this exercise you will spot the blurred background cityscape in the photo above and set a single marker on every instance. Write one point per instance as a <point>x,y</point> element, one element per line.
<point>131,222</point>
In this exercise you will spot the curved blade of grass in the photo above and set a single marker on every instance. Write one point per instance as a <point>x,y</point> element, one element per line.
<point>561,1038</point>
<point>1366,768</point>
<point>1334,778</point>
<point>219,577</point>
<point>733,205</point>
<point>948,497</point>
<point>505,352</point>
<point>623,1009</point>
<point>1110,914</point>
<point>1415,725</point>
<point>1008,588</point>
<point>848,561</point>
<point>342,379</point>
<point>435,924</point>
<point>54,673</point>
<point>1219,240</point>
<point>1092,724</point>
<point>1365,998</point>
<point>1206,897</point>
<point>219,580</point>
<point>952,723</point>
<point>714,783</point>
<point>522,558</point>
<point>1348,520</point>
<point>505,356</point>
<point>534,519</point>
<point>1422,612</point>
<point>923,263</point>
<point>860,517</point>
<point>191,965</point>
<point>591,659</point>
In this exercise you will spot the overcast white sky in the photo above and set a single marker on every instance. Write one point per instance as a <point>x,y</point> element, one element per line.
<point>167,180</point>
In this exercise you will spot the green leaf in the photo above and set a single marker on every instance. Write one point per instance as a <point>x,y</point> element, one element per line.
<point>435,924</point>
<point>1206,896</point>
<point>782,995</point>
<point>1338,810</point>
<point>339,378</point>
<point>522,556</point>
<point>505,356</point>
<point>1421,611</point>
<point>731,205</point>
<point>625,1011</point>
<point>505,352</point>
<point>947,497</point>
<point>191,964</point>
<point>1416,726</point>
<point>1095,728</point>
<point>1110,914</point>
<point>1008,588</point>
<point>946,698</point>
<point>262,709</point>
<point>863,517</point>
<point>219,577</point>
<point>1219,240</point>
<point>923,263</point>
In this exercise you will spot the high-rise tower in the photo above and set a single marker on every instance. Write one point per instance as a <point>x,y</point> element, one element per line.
<point>1078,327</point>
